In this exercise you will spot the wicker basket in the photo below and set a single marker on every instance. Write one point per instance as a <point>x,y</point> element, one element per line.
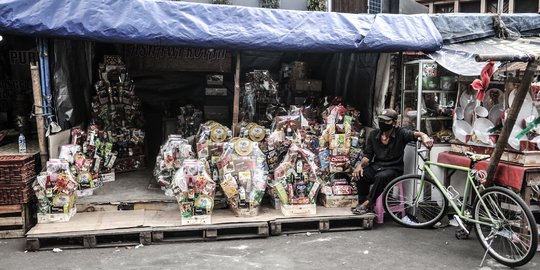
<point>16,193</point>
<point>17,168</point>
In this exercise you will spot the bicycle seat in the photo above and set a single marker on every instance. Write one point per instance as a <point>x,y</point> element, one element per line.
<point>476,157</point>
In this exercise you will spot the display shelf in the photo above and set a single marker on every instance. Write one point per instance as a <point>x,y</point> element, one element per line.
<point>436,91</point>
<point>427,87</point>
<point>430,118</point>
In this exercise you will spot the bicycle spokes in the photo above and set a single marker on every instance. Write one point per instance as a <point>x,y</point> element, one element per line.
<point>506,231</point>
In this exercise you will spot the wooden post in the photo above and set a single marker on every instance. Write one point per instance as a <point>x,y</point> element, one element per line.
<point>396,79</point>
<point>38,107</point>
<point>511,119</point>
<point>511,6</point>
<point>236,100</point>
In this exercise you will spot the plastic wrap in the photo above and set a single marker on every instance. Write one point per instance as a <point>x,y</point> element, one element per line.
<point>296,179</point>
<point>243,169</point>
<point>170,159</point>
<point>210,140</point>
<point>189,120</point>
<point>194,189</point>
<point>259,91</point>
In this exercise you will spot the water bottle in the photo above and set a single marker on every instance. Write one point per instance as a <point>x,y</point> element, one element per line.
<point>22,143</point>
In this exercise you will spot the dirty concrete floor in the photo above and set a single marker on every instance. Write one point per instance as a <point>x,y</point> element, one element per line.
<point>387,246</point>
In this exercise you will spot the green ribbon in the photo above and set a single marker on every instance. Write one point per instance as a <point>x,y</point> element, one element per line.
<point>528,128</point>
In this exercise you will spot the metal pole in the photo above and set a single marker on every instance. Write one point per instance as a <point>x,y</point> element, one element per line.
<point>511,119</point>
<point>36,87</point>
<point>500,7</point>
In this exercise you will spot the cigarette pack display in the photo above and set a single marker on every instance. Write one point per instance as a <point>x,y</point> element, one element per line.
<point>117,110</point>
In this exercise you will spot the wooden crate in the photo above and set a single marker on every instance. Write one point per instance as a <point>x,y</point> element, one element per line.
<point>16,192</point>
<point>15,220</point>
<point>296,210</point>
<point>17,168</point>
<point>521,158</point>
<point>334,201</point>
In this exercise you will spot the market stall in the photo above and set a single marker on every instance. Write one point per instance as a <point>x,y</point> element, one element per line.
<point>294,64</point>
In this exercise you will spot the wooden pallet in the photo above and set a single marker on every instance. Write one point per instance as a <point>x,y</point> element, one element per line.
<point>143,226</point>
<point>211,232</point>
<point>93,239</point>
<point>321,224</point>
<point>15,220</point>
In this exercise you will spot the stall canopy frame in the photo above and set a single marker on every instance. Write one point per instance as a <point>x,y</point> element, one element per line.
<point>459,58</point>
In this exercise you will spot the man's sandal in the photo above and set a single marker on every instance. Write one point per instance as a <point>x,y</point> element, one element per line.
<point>361,210</point>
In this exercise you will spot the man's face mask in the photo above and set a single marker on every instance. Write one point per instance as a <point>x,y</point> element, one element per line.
<point>386,125</point>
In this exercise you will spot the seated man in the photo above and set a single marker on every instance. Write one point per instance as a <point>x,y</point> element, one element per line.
<point>383,159</point>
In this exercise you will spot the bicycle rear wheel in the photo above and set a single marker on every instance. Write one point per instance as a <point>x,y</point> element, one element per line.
<point>414,203</point>
<point>512,238</point>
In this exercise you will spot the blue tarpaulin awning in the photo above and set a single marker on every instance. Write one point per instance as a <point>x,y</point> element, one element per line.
<point>173,23</point>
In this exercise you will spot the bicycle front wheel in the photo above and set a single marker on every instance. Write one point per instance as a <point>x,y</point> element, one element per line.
<point>413,202</point>
<point>511,237</point>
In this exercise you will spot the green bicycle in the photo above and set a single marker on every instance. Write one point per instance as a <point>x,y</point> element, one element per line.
<point>504,224</point>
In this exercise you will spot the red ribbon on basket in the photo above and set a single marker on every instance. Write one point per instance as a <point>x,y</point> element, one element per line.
<point>482,84</point>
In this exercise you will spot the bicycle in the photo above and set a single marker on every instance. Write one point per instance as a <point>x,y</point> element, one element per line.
<point>503,223</point>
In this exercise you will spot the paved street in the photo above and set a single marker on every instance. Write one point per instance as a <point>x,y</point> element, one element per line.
<point>386,247</point>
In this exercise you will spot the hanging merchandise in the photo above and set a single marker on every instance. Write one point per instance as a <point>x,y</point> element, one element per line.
<point>55,191</point>
<point>194,191</point>
<point>171,158</point>
<point>296,182</point>
<point>189,121</point>
<point>211,140</point>
<point>244,176</point>
<point>118,110</point>
<point>258,93</point>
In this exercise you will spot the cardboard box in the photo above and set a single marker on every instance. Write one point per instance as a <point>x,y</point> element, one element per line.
<point>214,91</point>
<point>85,192</point>
<point>217,113</point>
<point>337,201</point>
<point>56,217</point>
<point>108,177</point>
<point>308,85</point>
<point>295,210</point>
<point>246,212</point>
<point>197,220</point>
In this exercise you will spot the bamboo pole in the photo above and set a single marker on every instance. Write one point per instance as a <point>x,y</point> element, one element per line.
<point>236,100</point>
<point>511,120</point>
<point>38,106</point>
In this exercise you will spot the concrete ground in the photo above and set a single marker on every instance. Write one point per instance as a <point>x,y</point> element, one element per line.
<point>387,246</point>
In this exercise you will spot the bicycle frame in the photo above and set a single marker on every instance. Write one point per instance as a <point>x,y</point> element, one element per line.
<point>469,184</point>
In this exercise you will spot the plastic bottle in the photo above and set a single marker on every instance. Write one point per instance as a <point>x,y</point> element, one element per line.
<point>22,143</point>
